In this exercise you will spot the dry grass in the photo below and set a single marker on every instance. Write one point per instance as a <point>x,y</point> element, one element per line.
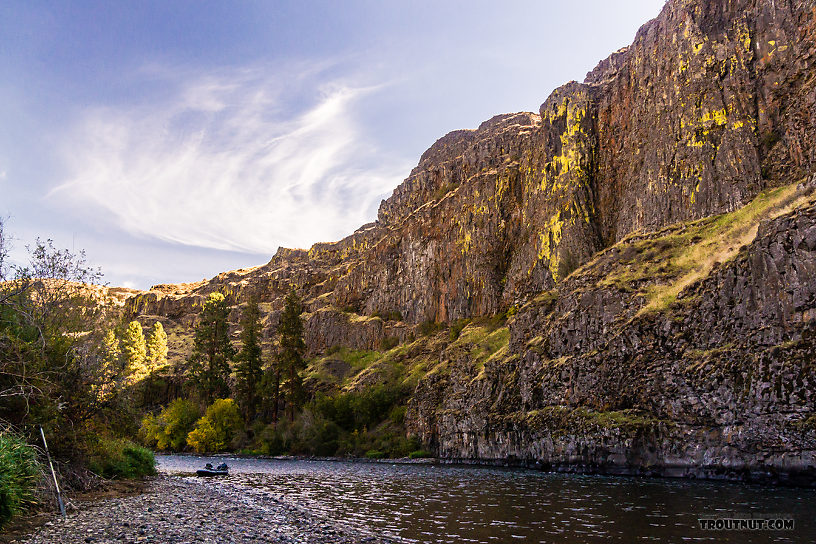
<point>660,266</point>
<point>721,240</point>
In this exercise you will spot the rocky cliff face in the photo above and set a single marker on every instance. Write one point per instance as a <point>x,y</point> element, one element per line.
<point>712,104</point>
<point>719,383</point>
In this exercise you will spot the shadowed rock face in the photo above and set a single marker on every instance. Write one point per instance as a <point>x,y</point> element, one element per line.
<point>720,384</point>
<point>714,102</point>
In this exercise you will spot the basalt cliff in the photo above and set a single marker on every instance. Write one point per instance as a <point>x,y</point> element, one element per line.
<point>631,271</point>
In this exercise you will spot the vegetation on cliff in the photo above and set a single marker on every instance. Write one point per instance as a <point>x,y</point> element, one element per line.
<point>57,372</point>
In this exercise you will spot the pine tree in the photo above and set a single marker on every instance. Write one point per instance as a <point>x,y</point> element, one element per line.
<point>157,346</point>
<point>292,348</point>
<point>248,369</point>
<point>212,350</point>
<point>271,390</point>
<point>134,352</point>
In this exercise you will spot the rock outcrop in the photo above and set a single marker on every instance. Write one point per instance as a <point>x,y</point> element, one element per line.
<point>712,104</point>
<point>720,383</point>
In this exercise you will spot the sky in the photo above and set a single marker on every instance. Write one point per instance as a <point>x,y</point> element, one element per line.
<point>173,140</point>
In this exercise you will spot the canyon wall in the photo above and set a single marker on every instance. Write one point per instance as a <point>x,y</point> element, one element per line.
<point>712,104</point>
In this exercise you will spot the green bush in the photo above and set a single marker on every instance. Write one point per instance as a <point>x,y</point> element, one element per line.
<point>19,472</point>
<point>269,441</point>
<point>456,328</point>
<point>214,432</point>
<point>309,434</point>
<point>429,327</point>
<point>350,424</point>
<point>169,430</point>
<point>356,410</point>
<point>420,454</point>
<point>121,459</point>
<point>375,454</point>
<point>770,138</point>
<point>393,315</point>
<point>397,414</point>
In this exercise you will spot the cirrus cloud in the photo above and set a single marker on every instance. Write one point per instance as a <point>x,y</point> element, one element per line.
<point>243,160</point>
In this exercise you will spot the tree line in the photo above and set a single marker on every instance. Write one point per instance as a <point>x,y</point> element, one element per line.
<point>259,392</point>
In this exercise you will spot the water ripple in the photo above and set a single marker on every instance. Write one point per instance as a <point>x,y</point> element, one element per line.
<point>450,504</point>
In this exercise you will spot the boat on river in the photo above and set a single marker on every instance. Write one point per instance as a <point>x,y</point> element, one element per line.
<point>208,470</point>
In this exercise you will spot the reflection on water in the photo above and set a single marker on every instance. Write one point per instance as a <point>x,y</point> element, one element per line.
<point>441,504</point>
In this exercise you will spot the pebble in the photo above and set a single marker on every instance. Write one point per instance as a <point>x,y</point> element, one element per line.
<point>190,510</point>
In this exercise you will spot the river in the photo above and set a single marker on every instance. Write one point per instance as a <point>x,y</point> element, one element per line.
<point>461,504</point>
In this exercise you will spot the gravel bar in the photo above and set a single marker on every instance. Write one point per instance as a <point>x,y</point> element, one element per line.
<point>184,510</point>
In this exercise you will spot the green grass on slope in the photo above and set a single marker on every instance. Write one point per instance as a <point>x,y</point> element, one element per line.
<point>659,266</point>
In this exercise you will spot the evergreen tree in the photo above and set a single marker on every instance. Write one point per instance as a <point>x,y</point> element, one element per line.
<point>134,352</point>
<point>111,354</point>
<point>110,366</point>
<point>157,346</point>
<point>271,390</point>
<point>248,369</point>
<point>292,348</point>
<point>212,350</point>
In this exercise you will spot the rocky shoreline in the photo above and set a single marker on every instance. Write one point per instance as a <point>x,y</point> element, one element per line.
<point>184,510</point>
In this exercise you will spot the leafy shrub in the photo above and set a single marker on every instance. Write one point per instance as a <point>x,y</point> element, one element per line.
<point>770,138</point>
<point>397,414</point>
<point>356,410</point>
<point>214,432</point>
<point>121,459</point>
<point>19,472</point>
<point>393,315</point>
<point>316,435</point>
<point>309,434</point>
<point>456,328</point>
<point>442,190</point>
<point>375,454</point>
<point>339,425</point>
<point>169,430</point>
<point>429,326</point>
<point>420,454</point>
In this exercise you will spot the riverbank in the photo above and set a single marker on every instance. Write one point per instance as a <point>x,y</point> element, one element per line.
<point>792,478</point>
<point>180,510</point>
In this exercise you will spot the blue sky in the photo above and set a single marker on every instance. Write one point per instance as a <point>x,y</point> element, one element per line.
<point>175,140</point>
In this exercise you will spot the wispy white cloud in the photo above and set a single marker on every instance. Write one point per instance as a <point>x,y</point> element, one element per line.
<point>243,160</point>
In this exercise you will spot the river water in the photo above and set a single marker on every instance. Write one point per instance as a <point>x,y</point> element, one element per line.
<point>460,504</point>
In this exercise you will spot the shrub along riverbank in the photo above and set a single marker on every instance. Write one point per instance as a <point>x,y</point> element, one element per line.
<point>25,480</point>
<point>59,373</point>
<point>20,473</point>
<point>368,423</point>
